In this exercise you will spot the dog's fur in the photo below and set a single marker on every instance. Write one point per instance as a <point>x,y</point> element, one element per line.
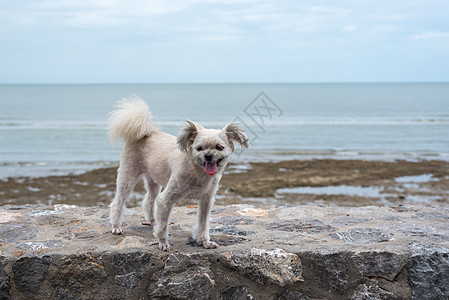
<point>187,166</point>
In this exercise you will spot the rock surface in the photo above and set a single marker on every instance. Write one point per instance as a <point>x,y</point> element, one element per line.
<point>276,252</point>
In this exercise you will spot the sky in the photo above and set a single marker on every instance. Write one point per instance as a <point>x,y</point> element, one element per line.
<point>238,41</point>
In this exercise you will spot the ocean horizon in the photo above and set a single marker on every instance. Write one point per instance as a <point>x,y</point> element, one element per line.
<point>48,129</point>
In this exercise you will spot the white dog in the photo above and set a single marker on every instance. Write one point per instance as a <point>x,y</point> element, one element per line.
<point>190,165</point>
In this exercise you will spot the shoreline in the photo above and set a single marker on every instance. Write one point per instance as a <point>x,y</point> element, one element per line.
<point>338,182</point>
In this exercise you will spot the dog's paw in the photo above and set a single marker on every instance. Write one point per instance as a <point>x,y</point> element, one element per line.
<point>164,245</point>
<point>117,230</point>
<point>210,245</point>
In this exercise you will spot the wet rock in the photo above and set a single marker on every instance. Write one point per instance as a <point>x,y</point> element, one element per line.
<point>236,293</point>
<point>40,245</point>
<point>233,220</point>
<point>29,272</point>
<point>295,225</point>
<point>230,229</point>
<point>380,263</point>
<point>185,276</point>
<point>369,292</point>
<point>5,284</point>
<point>362,236</point>
<point>15,232</point>
<point>429,271</point>
<point>265,266</point>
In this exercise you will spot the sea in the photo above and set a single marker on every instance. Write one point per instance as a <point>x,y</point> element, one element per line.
<point>48,129</point>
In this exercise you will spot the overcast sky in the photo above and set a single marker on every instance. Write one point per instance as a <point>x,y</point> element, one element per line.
<point>154,41</point>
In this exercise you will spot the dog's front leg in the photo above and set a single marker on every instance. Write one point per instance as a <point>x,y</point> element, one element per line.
<point>164,204</point>
<point>201,229</point>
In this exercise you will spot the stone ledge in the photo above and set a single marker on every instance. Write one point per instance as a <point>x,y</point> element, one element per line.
<point>279,252</point>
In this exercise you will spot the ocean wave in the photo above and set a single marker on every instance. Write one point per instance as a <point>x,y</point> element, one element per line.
<point>360,121</point>
<point>51,125</point>
<point>50,168</point>
<point>17,125</point>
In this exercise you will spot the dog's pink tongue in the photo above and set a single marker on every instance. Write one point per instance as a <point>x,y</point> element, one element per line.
<point>211,168</point>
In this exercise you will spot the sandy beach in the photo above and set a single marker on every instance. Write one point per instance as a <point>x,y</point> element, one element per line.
<point>319,182</point>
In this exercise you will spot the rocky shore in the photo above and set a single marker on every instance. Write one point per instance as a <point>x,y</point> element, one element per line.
<point>273,252</point>
<point>353,182</point>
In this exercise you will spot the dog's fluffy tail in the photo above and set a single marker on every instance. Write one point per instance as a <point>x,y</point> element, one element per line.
<point>131,121</point>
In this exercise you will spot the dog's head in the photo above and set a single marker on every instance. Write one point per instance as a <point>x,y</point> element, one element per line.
<point>210,148</point>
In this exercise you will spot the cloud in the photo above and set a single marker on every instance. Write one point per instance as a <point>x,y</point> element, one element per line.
<point>97,13</point>
<point>430,35</point>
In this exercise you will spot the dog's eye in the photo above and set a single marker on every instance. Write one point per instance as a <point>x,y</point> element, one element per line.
<point>219,148</point>
<point>199,149</point>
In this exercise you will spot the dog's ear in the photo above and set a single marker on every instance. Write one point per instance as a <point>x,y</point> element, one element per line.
<point>187,135</point>
<point>235,134</point>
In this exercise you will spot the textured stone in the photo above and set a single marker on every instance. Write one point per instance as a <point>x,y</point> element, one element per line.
<point>131,242</point>
<point>348,220</point>
<point>78,276</point>
<point>370,292</point>
<point>185,276</point>
<point>233,220</point>
<point>253,212</point>
<point>291,295</point>
<point>41,213</point>
<point>6,216</point>
<point>221,240</point>
<point>295,225</point>
<point>87,234</point>
<point>15,232</point>
<point>230,229</point>
<point>275,266</point>
<point>236,293</point>
<point>429,272</point>
<point>380,264</point>
<point>39,245</point>
<point>29,272</point>
<point>24,206</point>
<point>362,236</point>
<point>5,284</point>
<point>430,216</point>
<point>287,238</point>
<point>437,231</point>
<point>130,267</point>
<point>330,271</point>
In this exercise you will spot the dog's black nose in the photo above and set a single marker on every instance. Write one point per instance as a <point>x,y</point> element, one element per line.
<point>208,157</point>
